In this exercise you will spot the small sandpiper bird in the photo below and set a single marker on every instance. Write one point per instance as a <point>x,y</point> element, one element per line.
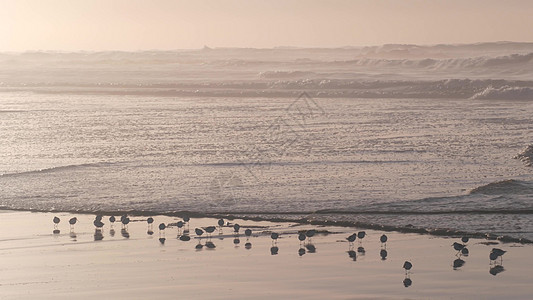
<point>407,265</point>
<point>72,221</point>
<point>383,239</point>
<point>274,237</point>
<point>495,253</point>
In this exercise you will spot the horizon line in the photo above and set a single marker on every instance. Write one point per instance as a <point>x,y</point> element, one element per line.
<point>281,47</point>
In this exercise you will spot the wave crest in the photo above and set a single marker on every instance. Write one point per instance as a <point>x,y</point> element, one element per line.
<point>55,169</point>
<point>509,186</point>
<point>505,92</point>
<point>526,155</point>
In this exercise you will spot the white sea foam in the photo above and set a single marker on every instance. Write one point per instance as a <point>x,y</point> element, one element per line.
<point>505,92</point>
<point>526,155</point>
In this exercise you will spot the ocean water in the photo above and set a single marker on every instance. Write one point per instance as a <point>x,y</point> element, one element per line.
<point>338,134</point>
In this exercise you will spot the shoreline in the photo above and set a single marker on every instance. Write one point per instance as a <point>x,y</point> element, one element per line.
<point>441,232</point>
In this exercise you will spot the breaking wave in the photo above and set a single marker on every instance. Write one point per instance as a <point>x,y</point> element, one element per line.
<point>56,169</point>
<point>505,92</point>
<point>508,187</point>
<point>526,155</point>
<point>316,88</point>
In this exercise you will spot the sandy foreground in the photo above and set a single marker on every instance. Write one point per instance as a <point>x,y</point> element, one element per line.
<point>36,263</point>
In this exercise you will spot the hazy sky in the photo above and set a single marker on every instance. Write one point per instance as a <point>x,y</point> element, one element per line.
<point>166,24</point>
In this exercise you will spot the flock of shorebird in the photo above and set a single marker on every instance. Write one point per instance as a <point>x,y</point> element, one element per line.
<point>304,237</point>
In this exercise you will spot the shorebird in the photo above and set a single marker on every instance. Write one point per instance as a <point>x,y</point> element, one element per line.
<point>248,232</point>
<point>351,239</point>
<point>301,251</point>
<point>236,228</point>
<point>495,253</point>
<point>162,226</point>
<point>220,224</point>
<point>353,255</point>
<point>99,217</point>
<point>383,239</point>
<point>499,252</point>
<point>274,236</point>
<point>493,256</point>
<point>301,237</point>
<point>186,219</point>
<point>72,221</point>
<point>112,219</point>
<point>198,231</point>
<point>465,251</point>
<point>180,225</point>
<point>407,265</point>
<point>98,223</point>
<point>274,250</point>
<point>150,220</point>
<point>465,239</point>
<point>361,235</point>
<point>310,234</point>
<point>125,221</point>
<point>209,230</point>
<point>458,246</point>
<point>56,222</point>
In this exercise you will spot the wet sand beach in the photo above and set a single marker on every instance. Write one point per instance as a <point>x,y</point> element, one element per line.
<point>86,263</point>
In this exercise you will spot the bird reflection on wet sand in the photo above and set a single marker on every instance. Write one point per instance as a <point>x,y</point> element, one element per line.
<point>495,270</point>
<point>98,236</point>
<point>310,248</point>
<point>407,282</point>
<point>352,254</point>
<point>210,245</point>
<point>458,263</point>
<point>383,253</point>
